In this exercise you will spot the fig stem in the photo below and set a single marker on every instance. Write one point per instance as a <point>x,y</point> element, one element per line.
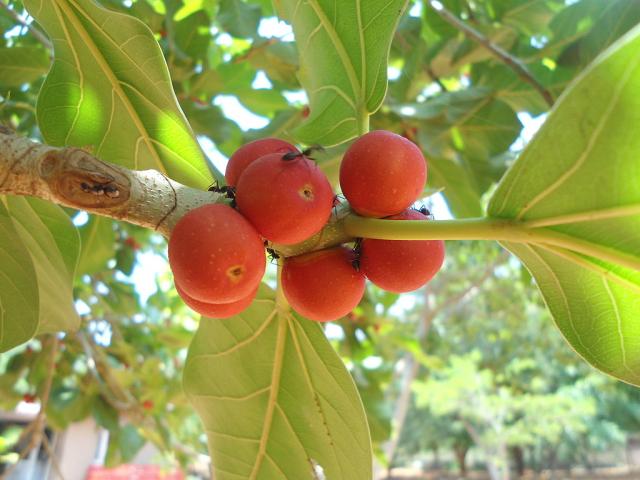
<point>502,230</point>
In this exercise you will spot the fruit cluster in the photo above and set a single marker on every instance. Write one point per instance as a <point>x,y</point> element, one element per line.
<point>217,252</point>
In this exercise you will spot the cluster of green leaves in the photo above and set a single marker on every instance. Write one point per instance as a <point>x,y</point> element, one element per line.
<point>139,83</point>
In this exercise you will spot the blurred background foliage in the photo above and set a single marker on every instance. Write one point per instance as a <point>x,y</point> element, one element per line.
<point>469,371</point>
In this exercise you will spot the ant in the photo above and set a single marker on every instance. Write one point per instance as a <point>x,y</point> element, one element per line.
<point>425,211</point>
<point>357,253</point>
<point>305,153</point>
<point>273,255</point>
<point>227,190</point>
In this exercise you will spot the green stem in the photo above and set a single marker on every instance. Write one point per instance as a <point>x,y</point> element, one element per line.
<point>364,123</point>
<point>466,229</point>
<point>483,229</point>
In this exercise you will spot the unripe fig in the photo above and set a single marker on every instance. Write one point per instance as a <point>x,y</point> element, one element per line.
<point>217,310</point>
<point>323,285</point>
<point>216,255</point>
<point>286,197</point>
<point>252,151</point>
<point>382,174</point>
<point>401,265</point>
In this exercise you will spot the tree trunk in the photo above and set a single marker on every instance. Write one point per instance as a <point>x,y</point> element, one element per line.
<point>436,458</point>
<point>461,457</point>
<point>498,463</point>
<point>518,459</point>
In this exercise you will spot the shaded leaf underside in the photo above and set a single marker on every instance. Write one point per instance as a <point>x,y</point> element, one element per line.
<point>576,189</point>
<point>275,399</point>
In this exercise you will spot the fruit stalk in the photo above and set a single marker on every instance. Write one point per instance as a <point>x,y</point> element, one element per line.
<point>465,229</point>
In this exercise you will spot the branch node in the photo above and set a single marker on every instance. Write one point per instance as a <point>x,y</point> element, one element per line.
<point>84,181</point>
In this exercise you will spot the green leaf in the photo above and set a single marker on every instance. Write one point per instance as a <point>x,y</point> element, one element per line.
<point>343,49</point>
<point>279,61</point>
<point>19,300</point>
<point>109,89</point>
<point>125,260</point>
<point>54,245</point>
<point>19,65</point>
<point>98,245</point>
<point>192,35</point>
<point>130,442</point>
<point>457,186</point>
<point>275,399</point>
<point>239,18</point>
<point>575,191</point>
<point>470,121</point>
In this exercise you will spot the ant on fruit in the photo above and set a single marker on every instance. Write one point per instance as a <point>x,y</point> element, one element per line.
<point>273,255</point>
<point>426,212</point>
<point>227,190</point>
<point>357,252</point>
<point>305,153</point>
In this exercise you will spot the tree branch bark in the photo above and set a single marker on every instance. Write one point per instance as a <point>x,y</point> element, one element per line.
<point>74,178</point>
<point>512,62</point>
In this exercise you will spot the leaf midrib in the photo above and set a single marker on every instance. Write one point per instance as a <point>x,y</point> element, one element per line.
<point>276,375</point>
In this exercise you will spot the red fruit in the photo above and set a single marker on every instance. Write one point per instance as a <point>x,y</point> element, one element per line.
<point>382,174</point>
<point>216,255</point>
<point>132,243</point>
<point>250,152</point>
<point>401,265</point>
<point>323,285</point>
<point>147,404</point>
<point>29,398</point>
<point>287,200</point>
<point>217,310</point>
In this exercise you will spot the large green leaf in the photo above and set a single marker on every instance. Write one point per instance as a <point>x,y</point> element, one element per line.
<point>54,245</point>
<point>343,49</point>
<point>275,399</point>
<point>19,299</point>
<point>19,65</point>
<point>98,245</point>
<point>576,190</point>
<point>109,89</point>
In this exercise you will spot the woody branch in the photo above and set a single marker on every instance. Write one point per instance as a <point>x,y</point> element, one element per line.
<point>74,178</point>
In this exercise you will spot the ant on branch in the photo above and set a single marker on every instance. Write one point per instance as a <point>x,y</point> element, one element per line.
<point>227,190</point>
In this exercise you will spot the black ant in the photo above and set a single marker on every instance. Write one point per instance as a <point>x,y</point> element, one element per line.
<point>227,190</point>
<point>425,211</point>
<point>273,255</point>
<point>305,153</point>
<point>357,253</point>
